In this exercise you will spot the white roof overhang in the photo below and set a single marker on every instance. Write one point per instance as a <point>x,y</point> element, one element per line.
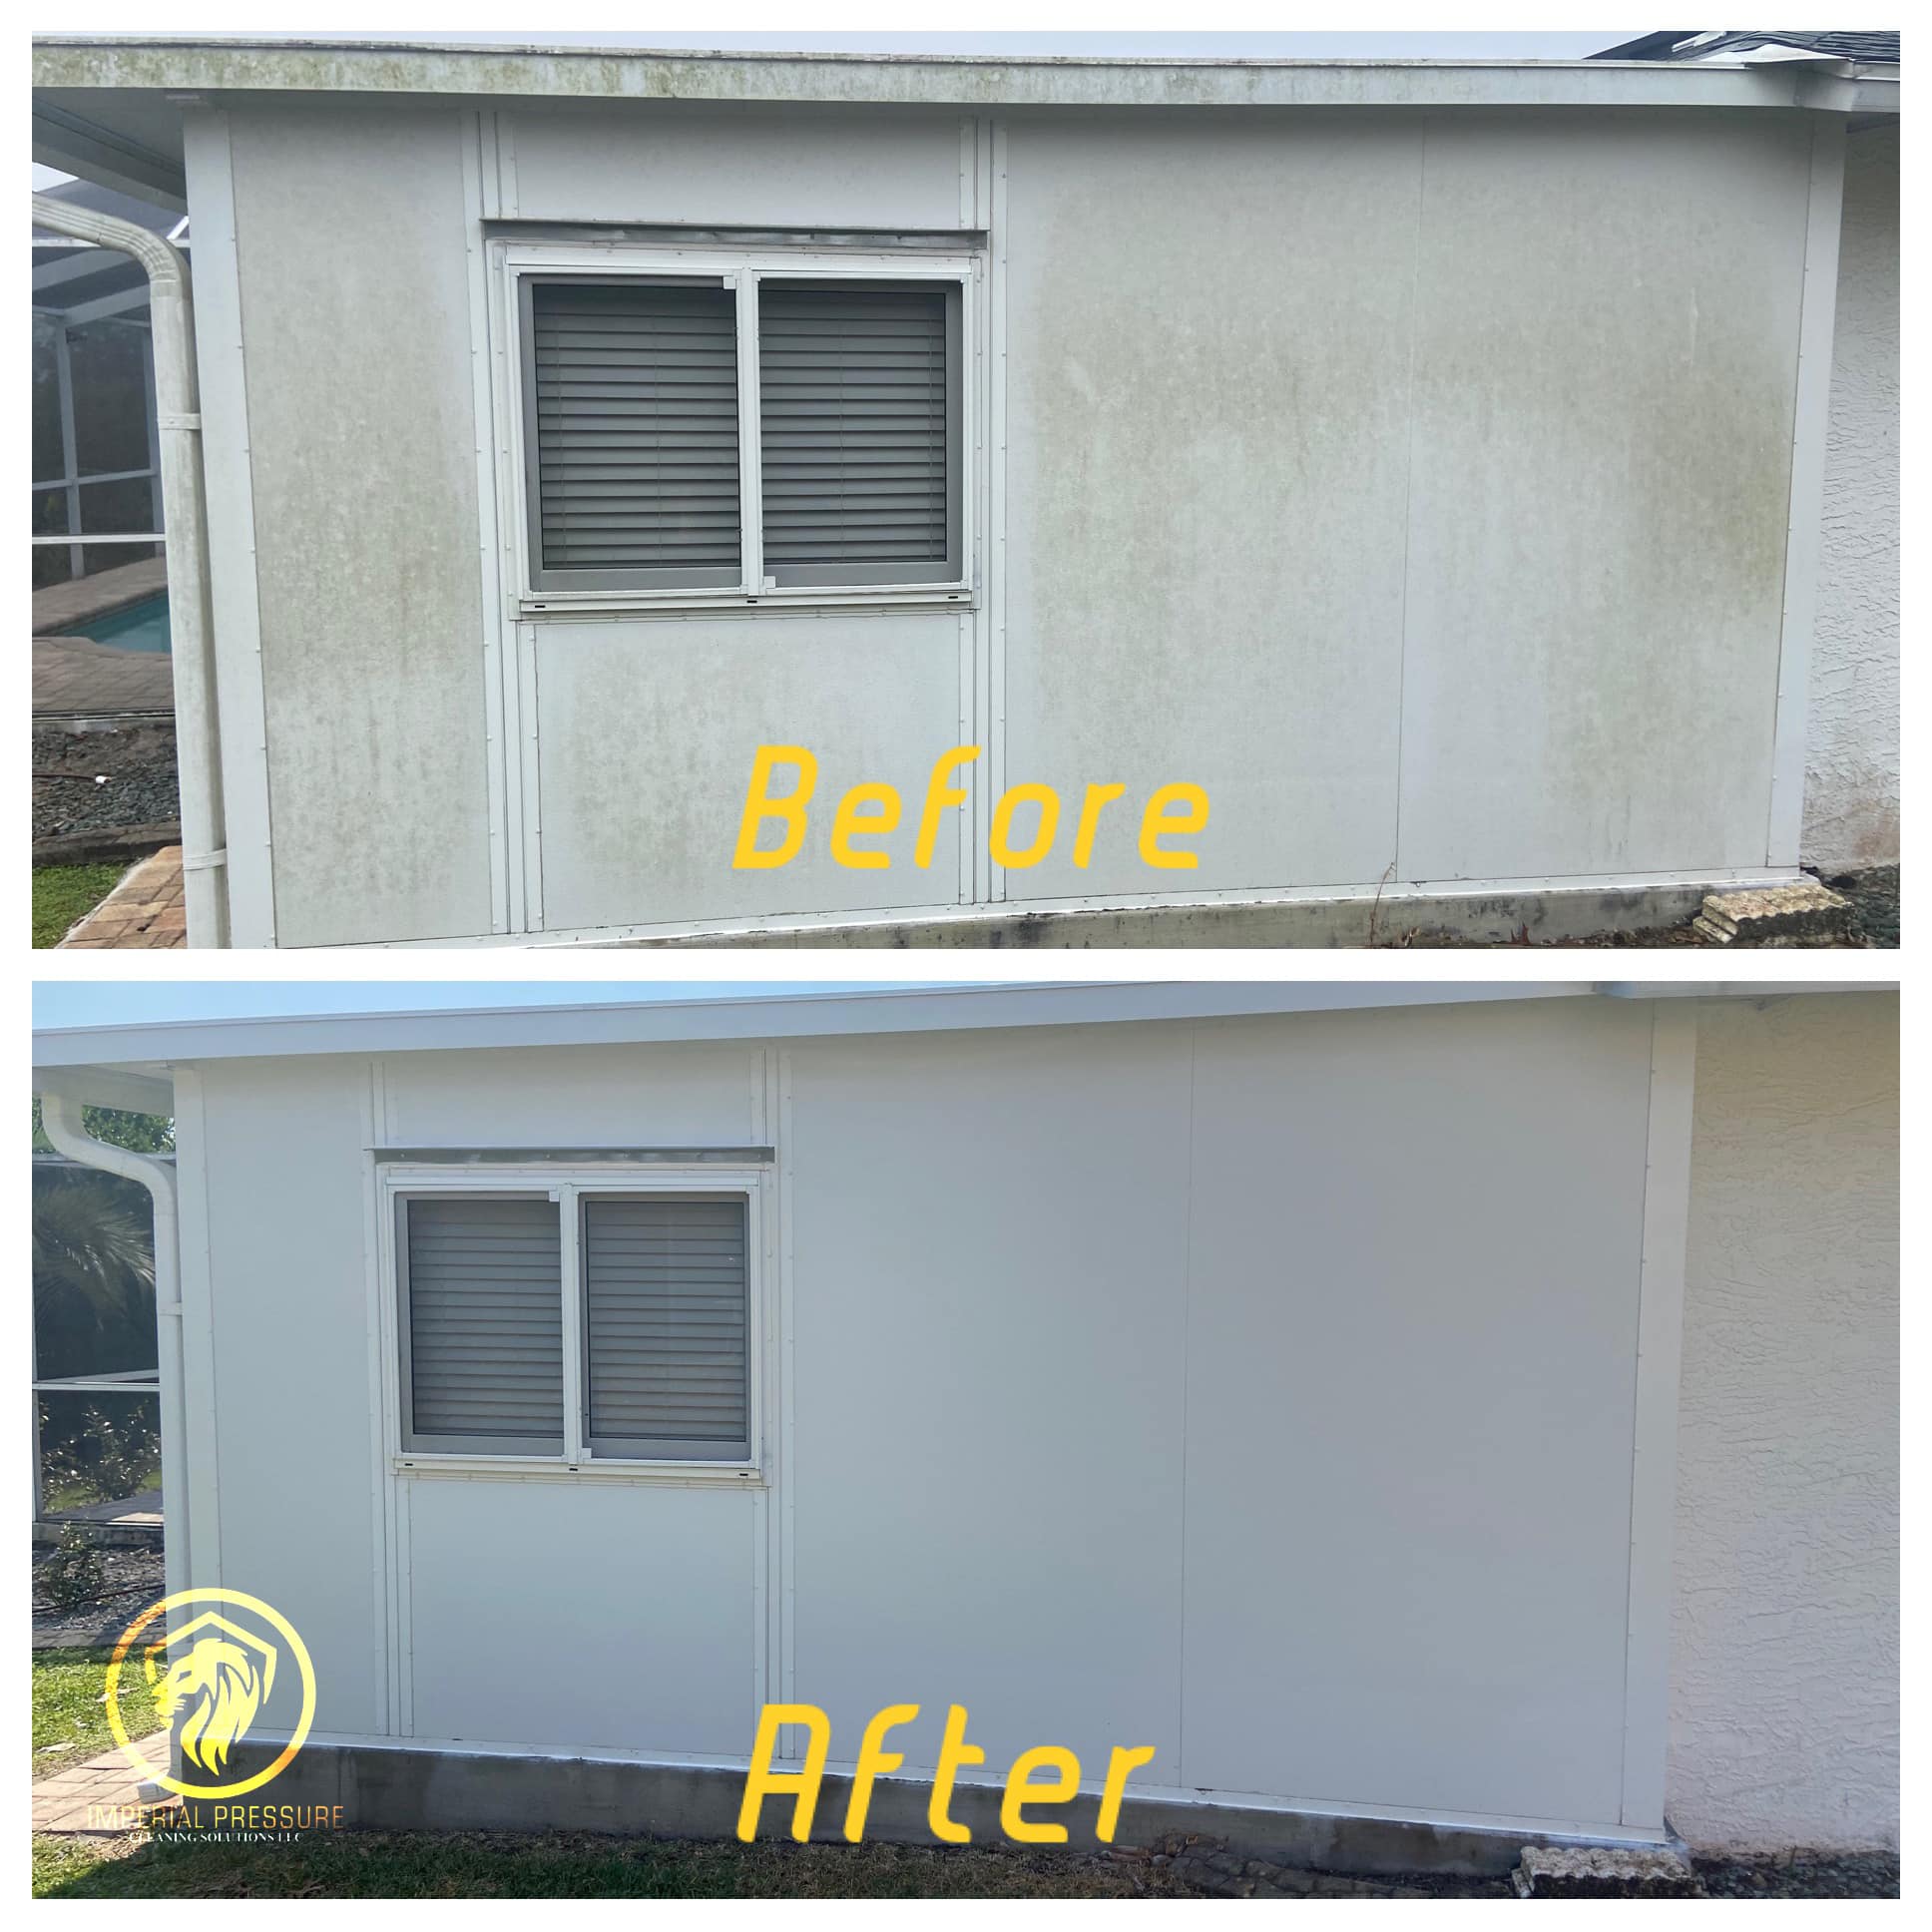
<point>109,108</point>
<point>146,1053</point>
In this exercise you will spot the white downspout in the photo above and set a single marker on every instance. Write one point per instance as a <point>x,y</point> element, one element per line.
<point>197,738</point>
<point>61,1117</point>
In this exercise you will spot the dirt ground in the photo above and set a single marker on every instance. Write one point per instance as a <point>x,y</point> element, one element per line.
<point>1873,893</point>
<point>501,1864</point>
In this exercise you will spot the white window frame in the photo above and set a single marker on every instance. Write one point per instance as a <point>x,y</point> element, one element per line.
<point>742,269</point>
<point>567,1187</point>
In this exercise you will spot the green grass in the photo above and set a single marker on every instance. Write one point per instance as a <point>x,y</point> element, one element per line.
<point>68,1710</point>
<point>59,1861</point>
<point>61,893</point>
<point>476,1864</point>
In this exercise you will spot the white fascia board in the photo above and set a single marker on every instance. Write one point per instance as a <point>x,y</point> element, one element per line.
<point>129,1067</point>
<point>189,65</point>
<point>633,1022</point>
<point>1738,989</point>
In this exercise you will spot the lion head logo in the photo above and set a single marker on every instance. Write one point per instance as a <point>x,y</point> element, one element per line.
<point>210,1695</point>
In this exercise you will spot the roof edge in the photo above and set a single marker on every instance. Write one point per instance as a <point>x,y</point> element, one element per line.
<point>609,1023</point>
<point>900,1010</point>
<point>187,63</point>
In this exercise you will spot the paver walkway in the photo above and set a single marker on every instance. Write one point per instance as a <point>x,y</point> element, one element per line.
<point>140,1510</point>
<point>67,606</point>
<point>73,675</point>
<point>147,910</point>
<point>77,678</point>
<point>91,1801</point>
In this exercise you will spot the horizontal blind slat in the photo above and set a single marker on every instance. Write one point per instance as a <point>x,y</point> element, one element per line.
<point>852,383</point>
<point>635,382</point>
<point>667,1318</point>
<point>486,1341</point>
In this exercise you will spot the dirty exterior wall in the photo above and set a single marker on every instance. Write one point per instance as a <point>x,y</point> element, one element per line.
<point>1440,537</point>
<point>1058,1464</point>
<point>1851,798</point>
<point>1785,1707</point>
<point>351,237</point>
<point>644,728</point>
<point>1442,540</point>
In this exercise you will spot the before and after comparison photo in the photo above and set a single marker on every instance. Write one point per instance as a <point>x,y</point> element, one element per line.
<point>966,965</point>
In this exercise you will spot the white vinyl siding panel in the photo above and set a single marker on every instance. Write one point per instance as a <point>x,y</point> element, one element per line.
<point>635,432</point>
<point>855,432</point>
<point>667,1325</point>
<point>485,1333</point>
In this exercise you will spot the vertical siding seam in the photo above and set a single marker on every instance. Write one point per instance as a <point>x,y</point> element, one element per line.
<point>1804,516</point>
<point>1408,488</point>
<point>1186,1328</point>
<point>1667,1149</point>
<point>197,1330</point>
<point>240,682</point>
<point>787,1386</point>
<point>373,1350</point>
<point>996,877</point>
<point>1636,1375</point>
<point>477,165</point>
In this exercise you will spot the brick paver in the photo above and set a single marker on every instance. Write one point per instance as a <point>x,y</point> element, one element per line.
<point>76,676</point>
<point>147,910</point>
<point>93,1800</point>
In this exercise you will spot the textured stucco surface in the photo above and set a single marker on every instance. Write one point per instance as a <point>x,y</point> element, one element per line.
<point>1784,1665</point>
<point>1851,747</point>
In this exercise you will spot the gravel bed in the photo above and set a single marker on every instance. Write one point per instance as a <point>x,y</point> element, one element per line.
<point>110,779</point>
<point>132,1577</point>
<point>1803,1875</point>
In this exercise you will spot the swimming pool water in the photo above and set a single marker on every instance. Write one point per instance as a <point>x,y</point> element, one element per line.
<point>137,627</point>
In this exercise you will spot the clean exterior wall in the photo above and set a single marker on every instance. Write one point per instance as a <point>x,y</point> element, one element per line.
<point>1784,1706</point>
<point>283,1498</point>
<point>1331,1167</point>
<point>1163,1387</point>
<point>1852,802</point>
<point>298,1506</point>
<point>1155,1384</point>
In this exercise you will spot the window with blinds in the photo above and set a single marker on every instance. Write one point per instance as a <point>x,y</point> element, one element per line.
<point>485,1333</point>
<point>667,1325</point>
<point>631,421</point>
<point>635,421</point>
<point>855,432</point>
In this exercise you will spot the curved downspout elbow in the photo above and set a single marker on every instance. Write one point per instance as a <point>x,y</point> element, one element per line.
<point>197,738</point>
<point>64,1123</point>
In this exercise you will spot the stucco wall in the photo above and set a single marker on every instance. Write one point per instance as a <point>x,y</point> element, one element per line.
<point>1851,751</point>
<point>1784,1671</point>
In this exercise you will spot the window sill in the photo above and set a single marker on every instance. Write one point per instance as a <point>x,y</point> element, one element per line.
<point>601,1469</point>
<point>809,600</point>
